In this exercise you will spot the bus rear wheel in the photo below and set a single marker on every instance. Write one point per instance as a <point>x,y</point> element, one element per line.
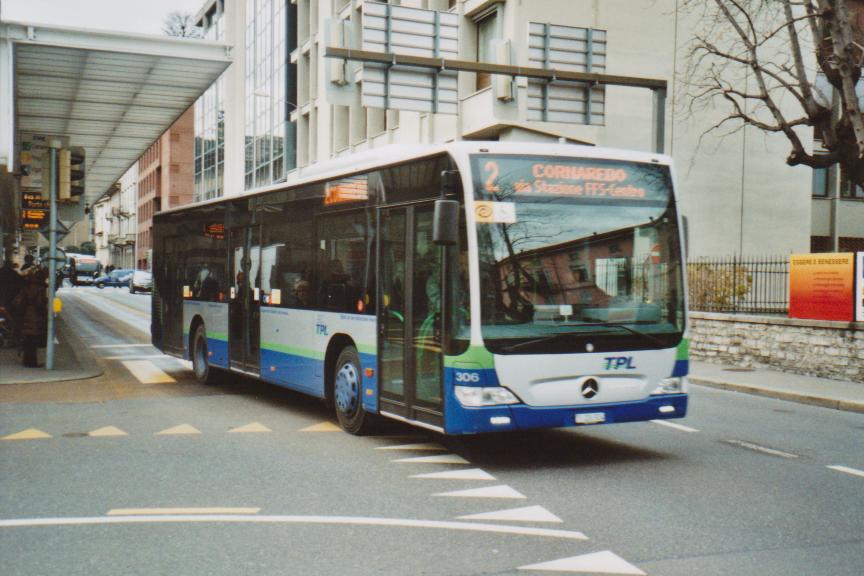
<point>348,392</point>
<point>200,357</point>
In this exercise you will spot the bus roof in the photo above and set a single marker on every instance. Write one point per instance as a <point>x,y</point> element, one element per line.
<point>398,154</point>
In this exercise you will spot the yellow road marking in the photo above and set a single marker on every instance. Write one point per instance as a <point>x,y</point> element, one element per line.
<point>171,511</point>
<point>253,427</point>
<point>147,373</point>
<point>181,429</point>
<point>108,431</point>
<point>29,434</point>
<point>322,427</point>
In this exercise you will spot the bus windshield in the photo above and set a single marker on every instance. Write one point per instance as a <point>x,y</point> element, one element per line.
<point>577,254</point>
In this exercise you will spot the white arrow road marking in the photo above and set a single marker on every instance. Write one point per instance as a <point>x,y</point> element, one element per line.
<point>107,431</point>
<point>527,514</point>
<point>848,470</point>
<point>428,446</point>
<point>491,492</point>
<point>334,520</point>
<point>252,427</point>
<point>443,459</point>
<point>596,563</point>
<point>322,427</point>
<point>473,474</point>
<point>181,429</point>
<point>29,434</point>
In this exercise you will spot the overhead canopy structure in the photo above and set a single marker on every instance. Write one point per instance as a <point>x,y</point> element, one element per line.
<point>111,93</point>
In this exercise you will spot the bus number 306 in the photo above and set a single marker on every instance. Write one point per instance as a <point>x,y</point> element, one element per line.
<point>467,377</point>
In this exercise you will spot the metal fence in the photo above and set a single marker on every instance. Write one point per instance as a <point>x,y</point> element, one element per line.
<point>751,285</point>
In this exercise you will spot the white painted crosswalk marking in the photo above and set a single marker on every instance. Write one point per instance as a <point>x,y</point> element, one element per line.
<point>147,373</point>
<point>674,426</point>
<point>423,447</point>
<point>490,492</point>
<point>443,459</point>
<point>597,563</point>
<point>472,474</point>
<point>847,470</point>
<point>527,514</point>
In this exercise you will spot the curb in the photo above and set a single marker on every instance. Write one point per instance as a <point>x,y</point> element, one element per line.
<point>821,401</point>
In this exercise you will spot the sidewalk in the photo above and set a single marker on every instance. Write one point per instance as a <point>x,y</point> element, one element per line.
<point>837,394</point>
<point>72,361</point>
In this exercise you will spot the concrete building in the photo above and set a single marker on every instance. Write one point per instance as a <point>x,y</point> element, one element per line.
<point>165,177</point>
<point>284,104</point>
<point>115,222</point>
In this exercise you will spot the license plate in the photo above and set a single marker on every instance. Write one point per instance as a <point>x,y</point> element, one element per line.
<point>591,418</point>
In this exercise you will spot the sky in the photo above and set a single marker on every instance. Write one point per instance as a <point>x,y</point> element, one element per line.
<point>141,16</point>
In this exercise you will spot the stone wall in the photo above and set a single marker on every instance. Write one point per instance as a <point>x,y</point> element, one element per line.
<point>812,347</point>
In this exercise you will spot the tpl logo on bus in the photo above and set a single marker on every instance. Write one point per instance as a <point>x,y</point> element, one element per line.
<point>619,363</point>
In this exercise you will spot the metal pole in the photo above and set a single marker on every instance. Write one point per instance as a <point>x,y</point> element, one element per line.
<point>659,131</point>
<point>52,255</point>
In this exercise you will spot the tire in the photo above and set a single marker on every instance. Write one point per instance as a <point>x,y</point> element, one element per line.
<point>100,285</point>
<point>200,363</point>
<point>348,393</point>
<point>131,289</point>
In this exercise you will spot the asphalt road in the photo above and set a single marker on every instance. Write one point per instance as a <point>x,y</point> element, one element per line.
<point>139,473</point>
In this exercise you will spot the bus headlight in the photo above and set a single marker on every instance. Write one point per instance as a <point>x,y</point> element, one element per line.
<point>476,396</point>
<point>676,385</point>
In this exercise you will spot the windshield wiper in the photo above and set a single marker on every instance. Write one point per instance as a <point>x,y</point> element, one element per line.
<point>567,335</point>
<point>633,331</point>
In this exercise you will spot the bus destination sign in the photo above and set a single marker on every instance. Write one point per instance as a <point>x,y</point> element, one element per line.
<point>576,177</point>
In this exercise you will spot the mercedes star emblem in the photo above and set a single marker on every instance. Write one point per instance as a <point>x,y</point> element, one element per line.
<point>590,388</point>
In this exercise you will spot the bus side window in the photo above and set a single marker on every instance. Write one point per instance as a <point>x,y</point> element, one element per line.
<point>346,262</point>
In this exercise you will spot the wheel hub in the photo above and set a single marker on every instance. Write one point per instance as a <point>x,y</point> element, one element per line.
<point>347,389</point>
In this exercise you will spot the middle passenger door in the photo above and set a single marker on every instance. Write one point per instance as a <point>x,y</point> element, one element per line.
<point>245,297</point>
<point>409,316</point>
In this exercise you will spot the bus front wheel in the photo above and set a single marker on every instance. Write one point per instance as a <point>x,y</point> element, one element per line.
<point>348,392</point>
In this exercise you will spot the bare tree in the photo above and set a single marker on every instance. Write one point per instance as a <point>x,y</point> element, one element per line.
<point>785,66</point>
<point>181,25</point>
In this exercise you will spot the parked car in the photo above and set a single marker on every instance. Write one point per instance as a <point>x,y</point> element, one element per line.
<point>115,278</point>
<point>141,281</point>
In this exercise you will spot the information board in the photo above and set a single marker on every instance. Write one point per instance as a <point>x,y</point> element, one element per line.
<point>821,286</point>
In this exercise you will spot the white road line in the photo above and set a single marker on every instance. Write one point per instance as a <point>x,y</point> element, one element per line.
<point>121,346</point>
<point>763,449</point>
<point>332,520</point>
<point>134,357</point>
<point>675,426</point>
<point>847,470</point>
<point>179,511</point>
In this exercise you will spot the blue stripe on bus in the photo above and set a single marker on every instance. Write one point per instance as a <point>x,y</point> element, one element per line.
<point>461,420</point>
<point>304,374</point>
<point>218,352</point>
<point>682,368</point>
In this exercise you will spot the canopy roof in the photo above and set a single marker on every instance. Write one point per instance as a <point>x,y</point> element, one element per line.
<point>111,93</point>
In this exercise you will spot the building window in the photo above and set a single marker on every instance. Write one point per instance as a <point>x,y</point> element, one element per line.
<point>848,189</point>
<point>487,32</point>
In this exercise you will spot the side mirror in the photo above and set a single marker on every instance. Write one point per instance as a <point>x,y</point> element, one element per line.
<point>445,225</point>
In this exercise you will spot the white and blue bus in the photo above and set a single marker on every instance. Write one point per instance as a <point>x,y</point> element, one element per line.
<point>465,288</point>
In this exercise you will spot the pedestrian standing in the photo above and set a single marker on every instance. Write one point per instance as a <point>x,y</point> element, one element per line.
<point>31,305</point>
<point>10,284</point>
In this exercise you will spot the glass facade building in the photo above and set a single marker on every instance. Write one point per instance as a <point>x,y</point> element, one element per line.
<point>210,122</point>
<point>268,135</point>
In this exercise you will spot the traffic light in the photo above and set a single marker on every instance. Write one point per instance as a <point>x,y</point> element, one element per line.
<point>71,183</point>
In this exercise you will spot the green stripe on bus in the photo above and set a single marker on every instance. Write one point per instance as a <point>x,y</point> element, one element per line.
<point>367,349</point>
<point>293,350</point>
<point>221,336</point>
<point>477,355</point>
<point>683,350</point>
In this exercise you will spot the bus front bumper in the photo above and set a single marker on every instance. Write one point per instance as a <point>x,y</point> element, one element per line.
<point>462,420</point>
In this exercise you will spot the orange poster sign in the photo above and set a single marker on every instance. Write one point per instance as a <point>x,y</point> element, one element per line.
<point>821,286</point>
